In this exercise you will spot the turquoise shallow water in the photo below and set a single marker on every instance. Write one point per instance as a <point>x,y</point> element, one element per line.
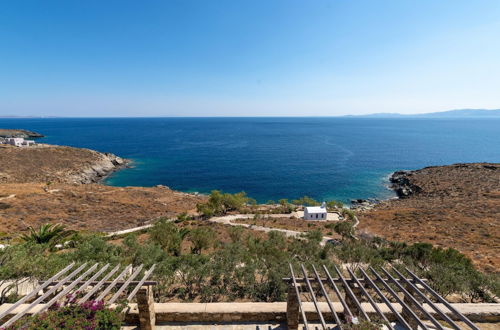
<point>272,158</point>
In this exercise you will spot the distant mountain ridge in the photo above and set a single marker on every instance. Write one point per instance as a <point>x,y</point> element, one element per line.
<point>461,113</point>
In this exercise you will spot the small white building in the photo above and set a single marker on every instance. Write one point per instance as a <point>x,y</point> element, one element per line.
<point>315,212</point>
<point>19,142</point>
<point>28,143</point>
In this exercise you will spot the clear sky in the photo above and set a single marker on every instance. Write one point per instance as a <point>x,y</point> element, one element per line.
<point>247,58</point>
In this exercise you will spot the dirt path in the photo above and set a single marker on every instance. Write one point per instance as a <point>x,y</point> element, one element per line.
<point>228,220</point>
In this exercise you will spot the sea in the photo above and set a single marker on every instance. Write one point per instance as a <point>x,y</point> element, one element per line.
<point>331,158</point>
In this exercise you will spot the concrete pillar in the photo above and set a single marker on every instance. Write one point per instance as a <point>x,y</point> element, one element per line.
<point>292,308</point>
<point>145,304</point>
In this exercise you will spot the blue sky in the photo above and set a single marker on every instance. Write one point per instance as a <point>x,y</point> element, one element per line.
<point>247,58</point>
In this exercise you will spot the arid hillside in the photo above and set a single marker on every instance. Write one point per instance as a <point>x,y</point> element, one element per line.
<point>49,184</point>
<point>91,207</point>
<point>450,206</point>
<point>48,163</point>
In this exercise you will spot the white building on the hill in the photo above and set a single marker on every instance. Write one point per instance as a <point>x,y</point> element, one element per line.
<point>315,212</point>
<point>19,142</point>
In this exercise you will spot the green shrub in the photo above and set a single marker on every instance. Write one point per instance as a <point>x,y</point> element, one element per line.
<point>47,233</point>
<point>306,201</point>
<point>168,236</point>
<point>202,238</point>
<point>220,203</point>
<point>90,315</point>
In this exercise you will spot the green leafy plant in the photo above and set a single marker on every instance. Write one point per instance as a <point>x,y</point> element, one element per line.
<point>220,203</point>
<point>168,236</point>
<point>306,201</point>
<point>47,233</point>
<point>202,238</point>
<point>89,316</point>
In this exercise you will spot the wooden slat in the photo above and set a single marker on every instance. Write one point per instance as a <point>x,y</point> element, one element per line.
<point>348,291</point>
<point>385,300</point>
<point>443,301</point>
<point>304,319</point>
<point>370,299</point>
<point>414,301</point>
<point>141,283</point>
<point>42,286</point>
<point>339,295</point>
<point>313,296</point>
<point>124,286</point>
<point>66,290</point>
<point>90,280</point>
<point>399,300</point>
<point>48,293</point>
<point>92,283</point>
<point>427,300</point>
<point>98,285</point>
<point>112,285</point>
<point>330,305</point>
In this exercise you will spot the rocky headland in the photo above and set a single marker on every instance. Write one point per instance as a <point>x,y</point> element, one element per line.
<point>454,206</point>
<point>18,133</point>
<point>56,164</point>
<point>58,184</point>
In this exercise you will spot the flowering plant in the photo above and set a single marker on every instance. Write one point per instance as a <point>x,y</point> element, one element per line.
<point>87,316</point>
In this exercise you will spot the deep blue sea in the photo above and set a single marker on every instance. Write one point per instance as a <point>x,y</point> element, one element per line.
<point>273,158</point>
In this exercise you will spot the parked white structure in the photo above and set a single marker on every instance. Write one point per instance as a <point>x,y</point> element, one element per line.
<point>19,142</point>
<point>315,212</point>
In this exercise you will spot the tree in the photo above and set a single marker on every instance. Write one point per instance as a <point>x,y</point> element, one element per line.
<point>220,203</point>
<point>47,233</point>
<point>202,238</point>
<point>334,205</point>
<point>345,229</point>
<point>348,214</point>
<point>168,236</point>
<point>306,201</point>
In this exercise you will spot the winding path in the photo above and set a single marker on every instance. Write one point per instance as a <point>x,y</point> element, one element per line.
<point>228,220</point>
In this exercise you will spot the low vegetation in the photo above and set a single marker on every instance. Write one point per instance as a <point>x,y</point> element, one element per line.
<point>239,265</point>
<point>89,316</point>
<point>47,233</point>
<point>220,203</point>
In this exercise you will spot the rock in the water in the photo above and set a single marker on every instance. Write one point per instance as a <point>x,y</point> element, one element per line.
<point>401,183</point>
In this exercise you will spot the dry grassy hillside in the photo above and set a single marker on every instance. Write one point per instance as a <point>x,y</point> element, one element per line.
<point>47,163</point>
<point>44,184</point>
<point>456,206</point>
<point>90,207</point>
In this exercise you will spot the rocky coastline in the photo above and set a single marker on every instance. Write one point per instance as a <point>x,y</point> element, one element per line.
<point>105,165</point>
<point>18,133</point>
<point>401,183</point>
<point>454,206</point>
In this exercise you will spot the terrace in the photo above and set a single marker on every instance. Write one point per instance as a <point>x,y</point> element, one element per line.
<point>317,300</point>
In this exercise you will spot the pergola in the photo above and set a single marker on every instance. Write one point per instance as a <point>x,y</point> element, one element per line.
<point>96,282</point>
<point>408,300</point>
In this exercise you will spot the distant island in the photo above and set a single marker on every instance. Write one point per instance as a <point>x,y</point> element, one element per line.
<point>461,113</point>
<point>18,133</point>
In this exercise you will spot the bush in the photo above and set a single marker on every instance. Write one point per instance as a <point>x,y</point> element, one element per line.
<point>220,203</point>
<point>348,214</point>
<point>202,238</point>
<point>306,201</point>
<point>47,233</point>
<point>345,229</point>
<point>334,205</point>
<point>168,236</point>
<point>90,315</point>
